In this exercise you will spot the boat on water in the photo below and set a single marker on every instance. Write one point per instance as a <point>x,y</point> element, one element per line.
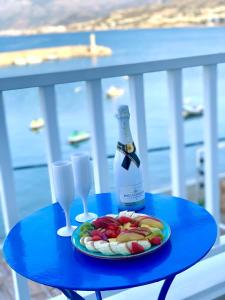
<point>33,60</point>
<point>78,136</point>
<point>114,92</point>
<point>36,124</point>
<point>20,61</point>
<point>77,89</point>
<point>192,111</point>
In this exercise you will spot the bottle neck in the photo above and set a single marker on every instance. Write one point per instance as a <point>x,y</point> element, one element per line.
<point>125,136</point>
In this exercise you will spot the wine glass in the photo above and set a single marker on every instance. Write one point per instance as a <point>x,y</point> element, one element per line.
<point>63,184</point>
<point>83,180</point>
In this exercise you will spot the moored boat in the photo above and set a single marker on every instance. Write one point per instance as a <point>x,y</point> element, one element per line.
<point>78,136</point>
<point>191,111</point>
<point>36,124</point>
<point>114,92</point>
<point>77,89</point>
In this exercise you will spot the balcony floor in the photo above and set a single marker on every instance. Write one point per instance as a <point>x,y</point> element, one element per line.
<point>38,292</point>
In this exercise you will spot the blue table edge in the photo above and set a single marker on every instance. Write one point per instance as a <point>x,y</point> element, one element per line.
<point>121,286</point>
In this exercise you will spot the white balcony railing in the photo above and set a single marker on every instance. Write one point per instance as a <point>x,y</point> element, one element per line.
<point>46,82</point>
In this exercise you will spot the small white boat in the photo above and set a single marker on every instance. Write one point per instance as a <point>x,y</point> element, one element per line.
<point>78,136</point>
<point>192,110</point>
<point>51,56</point>
<point>37,124</point>
<point>33,60</point>
<point>20,61</point>
<point>114,92</point>
<point>78,89</point>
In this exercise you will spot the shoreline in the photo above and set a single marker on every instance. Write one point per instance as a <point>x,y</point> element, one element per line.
<point>39,55</point>
<point>161,14</point>
<point>7,33</point>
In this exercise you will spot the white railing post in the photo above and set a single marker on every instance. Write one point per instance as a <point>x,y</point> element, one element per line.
<point>176,132</point>
<point>8,198</point>
<point>48,106</point>
<point>95,104</point>
<point>137,102</point>
<point>211,141</point>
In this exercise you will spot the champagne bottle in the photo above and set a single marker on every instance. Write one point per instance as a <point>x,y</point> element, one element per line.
<point>127,166</point>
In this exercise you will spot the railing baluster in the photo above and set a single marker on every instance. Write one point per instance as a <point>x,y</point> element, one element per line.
<point>137,102</point>
<point>211,138</point>
<point>95,104</point>
<point>8,198</point>
<point>8,195</point>
<point>48,106</point>
<point>176,132</point>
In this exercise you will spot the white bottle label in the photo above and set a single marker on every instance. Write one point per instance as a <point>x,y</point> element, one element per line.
<point>132,193</point>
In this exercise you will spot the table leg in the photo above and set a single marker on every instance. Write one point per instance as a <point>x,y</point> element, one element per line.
<point>72,295</point>
<point>98,295</point>
<point>165,287</point>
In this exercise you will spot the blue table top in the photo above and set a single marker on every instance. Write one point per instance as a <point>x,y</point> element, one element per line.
<point>33,249</point>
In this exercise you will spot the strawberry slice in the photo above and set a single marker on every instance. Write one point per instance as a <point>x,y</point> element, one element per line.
<point>112,220</point>
<point>96,238</point>
<point>124,220</point>
<point>136,248</point>
<point>156,240</point>
<point>113,227</point>
<point>111,233</point>
<point>105,222</point>
<point>95,232</point>
<point>100,233</point>
<point>134,224</point>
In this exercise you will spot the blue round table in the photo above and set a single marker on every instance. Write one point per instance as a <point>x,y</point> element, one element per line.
<point>33,249</point>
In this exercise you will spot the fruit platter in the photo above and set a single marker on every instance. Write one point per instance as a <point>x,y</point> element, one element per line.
<point>125,235</point>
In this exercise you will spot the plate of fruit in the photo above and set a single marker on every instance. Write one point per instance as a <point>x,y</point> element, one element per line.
<point>125,235</point>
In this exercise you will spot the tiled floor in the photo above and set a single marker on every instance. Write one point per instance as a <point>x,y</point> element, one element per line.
<point>38,292</point>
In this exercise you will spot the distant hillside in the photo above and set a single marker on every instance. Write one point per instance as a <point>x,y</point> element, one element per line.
<point>174,13</point>
<point>46,16</point>
<point>25,14</point>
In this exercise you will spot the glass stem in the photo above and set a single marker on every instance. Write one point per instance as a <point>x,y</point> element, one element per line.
<point>84,200</point>
<point>68,224</point>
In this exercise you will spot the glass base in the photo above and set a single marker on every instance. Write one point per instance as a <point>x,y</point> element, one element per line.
<point>66,231</point>
<point>85,217</point>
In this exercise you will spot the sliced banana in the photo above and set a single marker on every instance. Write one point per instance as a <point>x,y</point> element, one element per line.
<point>103,247</point>
<point>114,246</point>
<point>107,250</point>
<point>119,248</point>
<point>87,239</point>
<point>89,244</point>
<point>82,241</point>
<point>123,249</point>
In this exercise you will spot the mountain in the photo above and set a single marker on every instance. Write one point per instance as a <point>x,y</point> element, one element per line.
<point>25,14</point>
<point>46,16</point>
<point>172,13</point>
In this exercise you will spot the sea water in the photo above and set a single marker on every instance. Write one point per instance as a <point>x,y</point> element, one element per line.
<point>128,46</point>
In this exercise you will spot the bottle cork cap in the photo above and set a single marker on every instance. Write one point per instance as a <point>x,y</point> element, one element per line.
<point>123,111</point>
